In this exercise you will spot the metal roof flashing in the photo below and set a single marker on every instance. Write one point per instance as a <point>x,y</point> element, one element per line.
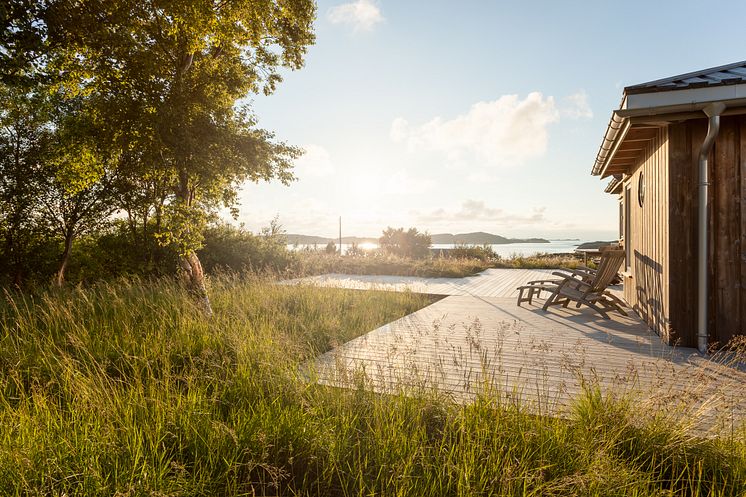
<point>683,96</point>
<point>733,73</point>
<point>688,99</point>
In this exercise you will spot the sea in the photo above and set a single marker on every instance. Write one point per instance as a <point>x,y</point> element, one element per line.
<point>503,250</point>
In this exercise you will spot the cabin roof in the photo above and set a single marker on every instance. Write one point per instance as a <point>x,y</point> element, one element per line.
<point>728,74</point>
<point>615,185</point>
<point>647,107</point>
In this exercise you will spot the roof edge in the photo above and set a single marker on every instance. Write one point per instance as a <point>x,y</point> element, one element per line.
<point>617,127</point>
<point>662,110</point>
<point>645,87</point>
<point>614,184</point>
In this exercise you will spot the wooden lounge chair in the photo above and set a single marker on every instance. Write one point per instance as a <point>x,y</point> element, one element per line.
<point>579,282</point>
<point>590,288</point>
<point>532,289</point>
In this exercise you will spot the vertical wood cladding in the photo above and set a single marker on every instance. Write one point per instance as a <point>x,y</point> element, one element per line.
<point>727,258</point>
<point>647,290</point>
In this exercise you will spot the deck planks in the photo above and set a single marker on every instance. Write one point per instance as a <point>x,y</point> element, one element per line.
<point>478,339</point>
<point>488,283</point>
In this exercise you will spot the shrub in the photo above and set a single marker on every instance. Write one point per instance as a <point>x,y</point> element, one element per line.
<point>483,252</point>
<point>355,251</point>
<point>331,247</point>
<point>231,248</point>
<point>115,251</point>
<point>309,263</point>
<point>410,243</point>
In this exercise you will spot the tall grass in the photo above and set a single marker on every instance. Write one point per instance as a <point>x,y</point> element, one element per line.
<point>308,263</point>
<point>460,262</point>
<point>124,389</point>
<point>541,261</point>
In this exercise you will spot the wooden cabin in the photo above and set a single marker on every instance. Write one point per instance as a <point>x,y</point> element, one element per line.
<point>651,153</point>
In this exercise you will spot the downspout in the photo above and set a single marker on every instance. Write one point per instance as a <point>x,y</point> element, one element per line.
<point>712,111</point>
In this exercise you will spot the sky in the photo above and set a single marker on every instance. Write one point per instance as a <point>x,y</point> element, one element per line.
<point>472,115</point>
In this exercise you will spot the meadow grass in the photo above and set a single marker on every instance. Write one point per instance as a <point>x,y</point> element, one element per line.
<point>125,389</point>
<point>541,261</point>
<point>311,263</point>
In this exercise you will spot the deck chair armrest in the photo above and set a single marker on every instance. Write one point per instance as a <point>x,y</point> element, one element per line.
<point>561,275</point>
<point>573,273</point>
<point>585,269</point>
<point>539,282</point>
<point>570,278</point>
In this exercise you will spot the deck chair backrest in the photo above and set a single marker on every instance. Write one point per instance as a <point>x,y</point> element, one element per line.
<point>611,259</point>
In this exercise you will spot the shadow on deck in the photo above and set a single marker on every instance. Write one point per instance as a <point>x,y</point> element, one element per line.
<point>467,345</point>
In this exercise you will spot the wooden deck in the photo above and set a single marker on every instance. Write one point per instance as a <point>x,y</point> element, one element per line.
<point>488,283</point>
<point>477,340</point>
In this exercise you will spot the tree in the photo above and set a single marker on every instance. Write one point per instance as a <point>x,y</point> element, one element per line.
<point>75,181</point>
<point>23,131</point>
<point>21,41</point>
<point>410,243</point>
<point>167,78</point>
<point>331,247</point>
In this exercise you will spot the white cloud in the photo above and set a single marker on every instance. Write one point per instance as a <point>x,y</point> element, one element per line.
<point>361,15</point>
<point>505,131</point>
<point>316,161</point>
<point>576,106</point>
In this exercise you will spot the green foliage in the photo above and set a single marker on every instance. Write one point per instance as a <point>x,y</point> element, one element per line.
<point>178,104</point>
<point>483,252</point>
<point>122,389</point>
<point>331,248</point>
<point>472,261</point>
<point>542,261</point>
<point>113,252</point>
<point>308,263</point>
<point>355,251</point>
<point>410,243</point>
<point>227,248</point>
<point>135,106</point>
<point>23,135</point>
<point>186,225</point>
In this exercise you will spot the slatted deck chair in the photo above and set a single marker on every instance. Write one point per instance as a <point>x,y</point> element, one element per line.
<point>591,288</point>
<point>534,288</point>
<point>527,292</point>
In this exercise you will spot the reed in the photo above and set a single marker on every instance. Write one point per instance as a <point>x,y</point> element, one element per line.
<point>125,389</point>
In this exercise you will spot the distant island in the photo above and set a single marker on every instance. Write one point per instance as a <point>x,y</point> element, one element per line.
<point>594,245</point>
<point>481,238</point>
<point>477,238</point>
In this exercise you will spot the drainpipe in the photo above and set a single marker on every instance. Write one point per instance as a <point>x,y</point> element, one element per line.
<point>712,111</point>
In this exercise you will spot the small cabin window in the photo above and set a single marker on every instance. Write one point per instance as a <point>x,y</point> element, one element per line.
<point>641,189</point>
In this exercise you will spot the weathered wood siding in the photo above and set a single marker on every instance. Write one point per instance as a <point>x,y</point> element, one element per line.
<point>646,288</point>
<point>727,228</point>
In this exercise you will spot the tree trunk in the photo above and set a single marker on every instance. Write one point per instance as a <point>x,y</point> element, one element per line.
<point>59,279</point>
<point>16,258</point>
<point>191,267</point>
<point>147,253</point>
<point>194,277</point>
<point>156,253</point>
